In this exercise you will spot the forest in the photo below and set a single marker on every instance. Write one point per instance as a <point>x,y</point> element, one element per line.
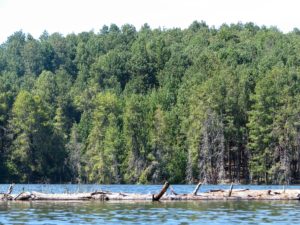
<point>122,105</point>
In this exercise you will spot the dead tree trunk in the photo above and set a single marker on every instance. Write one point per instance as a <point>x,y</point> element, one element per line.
<point>161,193</point>
<point>10,189</point>
<point>197,188</point>
<point>172,190</point>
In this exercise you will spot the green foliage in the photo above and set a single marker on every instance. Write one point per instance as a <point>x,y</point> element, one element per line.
<point>29,127</point>
<point>103,153</point>
<point>128,106</point>
<point>135,138</point>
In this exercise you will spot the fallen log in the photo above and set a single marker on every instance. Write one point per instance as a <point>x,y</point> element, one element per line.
<point>215,190</point>
<point>23,196</point>
<point>7,195</point>
<point>56,197</point>
<point>231,194</point>
<point>236,190</point>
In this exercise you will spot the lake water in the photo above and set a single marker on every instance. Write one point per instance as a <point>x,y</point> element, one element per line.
<point>95,212</point>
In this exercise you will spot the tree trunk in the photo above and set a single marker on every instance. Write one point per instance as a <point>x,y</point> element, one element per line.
<point>161,193</point>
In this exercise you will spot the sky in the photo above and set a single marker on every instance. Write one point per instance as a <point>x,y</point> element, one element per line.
<point>74,16</point>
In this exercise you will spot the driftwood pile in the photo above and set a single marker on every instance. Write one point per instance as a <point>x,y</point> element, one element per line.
<point>231,194</point>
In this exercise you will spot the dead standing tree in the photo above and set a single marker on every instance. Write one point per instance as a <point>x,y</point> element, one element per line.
<point>211,152</point>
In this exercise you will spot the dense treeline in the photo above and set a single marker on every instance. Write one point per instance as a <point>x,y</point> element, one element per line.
<point>128,106</point>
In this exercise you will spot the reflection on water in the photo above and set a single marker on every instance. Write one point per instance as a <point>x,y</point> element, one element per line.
<point>207,212</point>
<point>95,212</point>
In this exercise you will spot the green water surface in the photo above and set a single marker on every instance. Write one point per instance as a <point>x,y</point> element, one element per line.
<point>200,212</point>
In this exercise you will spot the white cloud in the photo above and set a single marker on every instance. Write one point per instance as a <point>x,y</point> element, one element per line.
<point>66,16</point>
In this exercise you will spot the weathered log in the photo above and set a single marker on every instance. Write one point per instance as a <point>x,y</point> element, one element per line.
<point>215,190</point>
<point>197,188</point>
<point>240,190</point>
<point>239,194</point>
<point>100,193</point>
<point>245,195</point>
<point>161,193</point>
<point>57,197</point>
<point>7,195</point>
<point>101,197</point>
<point>23,196</point>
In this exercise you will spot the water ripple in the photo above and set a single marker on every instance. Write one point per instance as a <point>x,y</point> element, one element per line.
<point>201,212</point>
